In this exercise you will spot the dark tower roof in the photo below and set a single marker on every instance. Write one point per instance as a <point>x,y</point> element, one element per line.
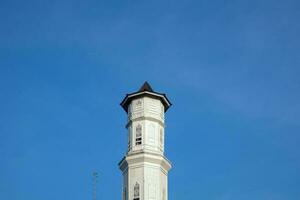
<point>145,90</point>
<point>146,87</point>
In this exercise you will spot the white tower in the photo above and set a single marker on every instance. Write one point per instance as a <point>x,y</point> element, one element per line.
<point>145,168</point>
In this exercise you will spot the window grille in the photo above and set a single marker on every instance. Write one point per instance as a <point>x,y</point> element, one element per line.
<point>138,135</point>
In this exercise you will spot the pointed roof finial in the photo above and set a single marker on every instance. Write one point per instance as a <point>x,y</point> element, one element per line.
<point>146,87</point>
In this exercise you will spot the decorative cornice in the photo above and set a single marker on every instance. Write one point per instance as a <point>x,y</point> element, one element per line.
<point>145,118</point>
<point>142,157</point>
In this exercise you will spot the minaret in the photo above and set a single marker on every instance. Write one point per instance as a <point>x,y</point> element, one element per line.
<point>145,168</point>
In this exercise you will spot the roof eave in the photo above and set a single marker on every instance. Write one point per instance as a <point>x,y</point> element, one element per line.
<point>159,95</point>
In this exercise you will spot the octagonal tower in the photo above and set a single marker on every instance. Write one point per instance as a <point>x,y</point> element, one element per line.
<point>145,168</point>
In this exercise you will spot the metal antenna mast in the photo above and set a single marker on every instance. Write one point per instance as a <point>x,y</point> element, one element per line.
<point>95,180</point>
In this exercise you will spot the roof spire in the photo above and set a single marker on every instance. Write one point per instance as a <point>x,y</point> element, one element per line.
<point>146,87</point>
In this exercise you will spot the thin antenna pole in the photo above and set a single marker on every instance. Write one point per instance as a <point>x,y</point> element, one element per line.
<point>95,181</point>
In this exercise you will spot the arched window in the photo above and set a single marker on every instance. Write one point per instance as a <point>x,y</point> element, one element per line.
<point>138,135</point>
<point>136,192</point>
<point>138,104</point>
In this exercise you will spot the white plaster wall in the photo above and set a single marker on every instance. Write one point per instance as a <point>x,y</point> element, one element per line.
<point>136,109</point>
<point>164,185</point>
<point>150,114</point>
<point>150,177</point>
<point>147,107</point>
<point>152,182</point>
<point>154,108</point>
<point>136,174</point>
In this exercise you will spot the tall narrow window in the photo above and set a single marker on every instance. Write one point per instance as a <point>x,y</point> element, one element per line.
<point>129,138</point>
<point>161,137</point>
<point>136,192</point>
<point>151,134</point>
<point>138,135</point>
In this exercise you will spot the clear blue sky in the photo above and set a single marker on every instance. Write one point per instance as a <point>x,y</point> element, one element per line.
<point>231,69</point>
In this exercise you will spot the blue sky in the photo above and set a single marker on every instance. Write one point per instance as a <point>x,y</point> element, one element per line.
<point>230,68</point>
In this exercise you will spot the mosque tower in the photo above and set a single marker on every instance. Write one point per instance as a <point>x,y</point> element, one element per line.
<point>145,168</point>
